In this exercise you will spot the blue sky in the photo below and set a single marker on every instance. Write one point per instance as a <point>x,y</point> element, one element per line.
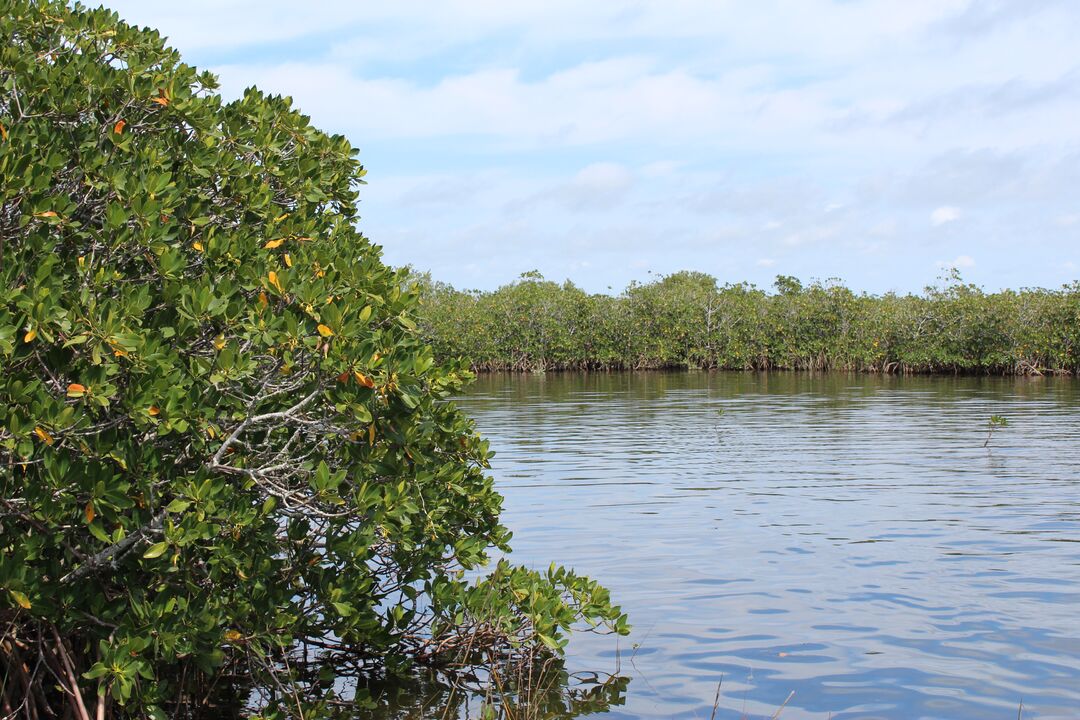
<point>875,141</point>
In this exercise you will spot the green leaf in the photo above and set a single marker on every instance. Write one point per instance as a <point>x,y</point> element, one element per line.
<point>97,670</point>
<point>178,506</point>
<point>99,532</point>
<point>156,550</point>
<point>549,641</point>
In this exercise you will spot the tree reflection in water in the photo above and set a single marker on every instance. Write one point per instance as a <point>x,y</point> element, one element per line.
<point>552,694</point>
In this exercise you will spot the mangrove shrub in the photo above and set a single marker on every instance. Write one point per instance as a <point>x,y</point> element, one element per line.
<point>686,320</point>
<point>226,455</point>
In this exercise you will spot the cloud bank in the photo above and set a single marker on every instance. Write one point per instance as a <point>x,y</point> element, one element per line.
<point>598,141</point>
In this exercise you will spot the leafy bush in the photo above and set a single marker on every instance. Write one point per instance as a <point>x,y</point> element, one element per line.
<point>225,452</point>
<point>685,320</point>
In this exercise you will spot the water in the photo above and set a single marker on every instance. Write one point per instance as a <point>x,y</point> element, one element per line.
<point>845,538</point>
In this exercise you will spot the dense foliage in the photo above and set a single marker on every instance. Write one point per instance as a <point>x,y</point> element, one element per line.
<point>225,452</point>
<point>687,320</point>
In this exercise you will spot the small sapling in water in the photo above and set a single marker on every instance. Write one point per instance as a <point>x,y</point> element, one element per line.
<point>996,421</point>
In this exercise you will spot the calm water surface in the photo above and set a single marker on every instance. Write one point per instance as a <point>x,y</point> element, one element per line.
<point>847,538</point>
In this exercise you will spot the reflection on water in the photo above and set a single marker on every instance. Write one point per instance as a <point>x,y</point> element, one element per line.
<point>847,538</point>
<point>550,694</point>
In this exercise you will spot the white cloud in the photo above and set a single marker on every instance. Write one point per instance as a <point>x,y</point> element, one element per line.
<point>600,185</point>
<point>944,215</point>
<point>604,177</point>
<point>661,168</point>
<point>960,262</point>
<point>686,134</point>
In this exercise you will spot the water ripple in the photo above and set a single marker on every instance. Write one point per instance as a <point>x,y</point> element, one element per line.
<point>845,538</point>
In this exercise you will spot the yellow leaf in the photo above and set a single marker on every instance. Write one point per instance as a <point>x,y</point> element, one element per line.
<point>82,260</point>
<point>29,337</point>
<point>233,635</point>
<point>263,300</point>
<point>288,260</point>
<point>153,410</point>
<point>219,342</point>
<point>76,390</point>
<point>364,379</point>
<point>279,218</point>
<point>198,246</point>
<point>119,126</point>
<point>162,101</point>
<point>24,602</point>
<point>325,331</point>
<point>3,131</point>
<point>47,213</point>
<point>89,513</point>
<point>44,435</point>
<point>273,244</point>
<point>371,434</point>
<point>272,277</point>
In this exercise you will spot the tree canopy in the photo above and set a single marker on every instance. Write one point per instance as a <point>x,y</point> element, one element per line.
<point>224,449</point>
<point>685,320</point>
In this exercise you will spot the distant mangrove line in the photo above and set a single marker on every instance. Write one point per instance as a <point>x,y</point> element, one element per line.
<point>687,320</point>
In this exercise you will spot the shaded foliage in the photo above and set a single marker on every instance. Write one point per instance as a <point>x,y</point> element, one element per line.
<point>226,456</point>
<point>686,320</point>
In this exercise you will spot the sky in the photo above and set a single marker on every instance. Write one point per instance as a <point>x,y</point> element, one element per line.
<point>879,142</point>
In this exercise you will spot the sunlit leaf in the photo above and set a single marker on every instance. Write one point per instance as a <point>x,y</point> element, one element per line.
<point>156,550</point>
<point>177,506</point>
